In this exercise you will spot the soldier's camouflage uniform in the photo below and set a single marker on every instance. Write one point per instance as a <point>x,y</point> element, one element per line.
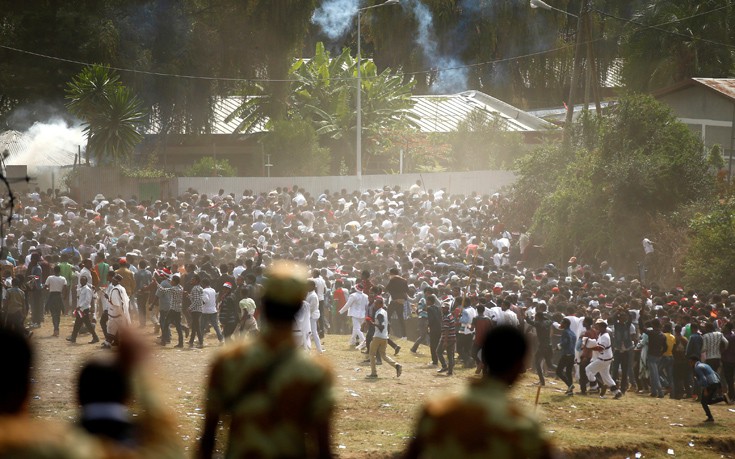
<point>480,423</point>
<point>273,395</point>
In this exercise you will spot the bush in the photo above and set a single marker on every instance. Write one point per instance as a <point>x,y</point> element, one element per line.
<point>711,254</point>
<point>294,149</point>
<point>210,167</point>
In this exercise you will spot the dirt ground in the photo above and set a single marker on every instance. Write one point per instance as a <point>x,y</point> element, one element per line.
<point>375,418</point>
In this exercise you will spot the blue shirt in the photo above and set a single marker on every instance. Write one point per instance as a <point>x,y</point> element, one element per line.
<point>568,340</point>
<point>164,302</point>
<point>705,375</point>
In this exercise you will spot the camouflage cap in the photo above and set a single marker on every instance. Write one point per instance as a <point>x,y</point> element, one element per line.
<point>286,282</point>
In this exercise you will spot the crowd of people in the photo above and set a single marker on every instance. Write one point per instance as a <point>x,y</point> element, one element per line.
<point>384,265</point>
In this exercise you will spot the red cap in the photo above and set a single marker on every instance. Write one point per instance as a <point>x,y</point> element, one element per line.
<point>227,284</point>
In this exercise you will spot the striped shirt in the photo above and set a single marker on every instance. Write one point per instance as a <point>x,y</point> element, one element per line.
<point>711,344</point>
<point>449,328</point>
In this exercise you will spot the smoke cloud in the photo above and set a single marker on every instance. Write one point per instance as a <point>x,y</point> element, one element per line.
<point>450,77</point>
<point>334,17</point>
<point>51,143</point>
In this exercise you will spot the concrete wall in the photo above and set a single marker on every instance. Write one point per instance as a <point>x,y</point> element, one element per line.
<point>482,182</point>
<point>110,182</point>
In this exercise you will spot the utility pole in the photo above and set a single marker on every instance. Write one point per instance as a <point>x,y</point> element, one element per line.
<point>593,79</point>
<point>575,72</point>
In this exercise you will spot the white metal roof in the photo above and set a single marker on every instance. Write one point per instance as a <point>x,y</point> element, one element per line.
<point>444,113</point>
<point>438,113</point>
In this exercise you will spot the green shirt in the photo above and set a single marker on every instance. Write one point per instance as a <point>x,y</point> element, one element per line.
<point>66,271</point>
<point>102,269</point>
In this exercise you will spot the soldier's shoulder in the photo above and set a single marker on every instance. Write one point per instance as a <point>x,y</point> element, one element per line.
<point>41,439</point>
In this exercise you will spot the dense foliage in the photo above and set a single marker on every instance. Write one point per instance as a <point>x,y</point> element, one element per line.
<point>112,115</point>
<point>163,43</point>
<point>211,167</point>
<point>323,93</point>
<point>711,255</point>
<point>599,197</point>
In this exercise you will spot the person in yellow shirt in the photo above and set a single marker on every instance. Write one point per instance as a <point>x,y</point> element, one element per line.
<point>667,359</point>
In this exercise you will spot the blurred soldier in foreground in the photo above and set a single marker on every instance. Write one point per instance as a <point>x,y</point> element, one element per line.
<point>109,390</point>
<point>279,402</point>
<point>483,421</point>
<point>20,435</point>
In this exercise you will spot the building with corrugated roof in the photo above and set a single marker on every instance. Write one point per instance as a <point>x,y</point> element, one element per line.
<point>707,106</point>
<point>433,114</point>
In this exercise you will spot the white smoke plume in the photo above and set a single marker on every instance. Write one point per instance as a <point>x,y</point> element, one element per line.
<point>50,143</point>
<point>335,17</point>
<point>451,77</point>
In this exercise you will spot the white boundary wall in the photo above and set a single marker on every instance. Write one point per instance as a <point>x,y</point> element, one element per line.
<point>482,182</point>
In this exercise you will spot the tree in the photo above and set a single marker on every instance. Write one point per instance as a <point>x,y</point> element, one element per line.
<point>211,167</point>
<point>295,150</point>
<point>386,102</point>
<point>482,141</point>
<point>323,93</point>
<point>711,255</point>
<point>598,199</point>
<point>690,40</point>
<point>112,114</point>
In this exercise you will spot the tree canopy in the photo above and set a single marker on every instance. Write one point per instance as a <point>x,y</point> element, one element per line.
<point>599,198</point>
<point>112,114</point>
<point>178,55</point>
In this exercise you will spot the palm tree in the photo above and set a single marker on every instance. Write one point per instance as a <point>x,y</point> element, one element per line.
<point>323,92</point>
<point>114,129</point>
<point>688,37</point>
<point>110,112</point>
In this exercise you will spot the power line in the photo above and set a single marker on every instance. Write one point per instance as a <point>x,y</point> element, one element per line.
<point>416,73</point>
<point>672,32</point>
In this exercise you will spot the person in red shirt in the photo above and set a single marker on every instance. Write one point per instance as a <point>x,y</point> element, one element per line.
<point>480,325</point>
<point>340,298</point>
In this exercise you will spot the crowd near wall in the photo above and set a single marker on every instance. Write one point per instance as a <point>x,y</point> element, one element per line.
<point>484,182</point>
<point>89,182</point>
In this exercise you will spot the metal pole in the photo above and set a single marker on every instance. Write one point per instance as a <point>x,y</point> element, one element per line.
<point>400,163</point>
<point>575,71</point>
<point>732,146</point>
<point>593,80</point>
<point>358,142</point>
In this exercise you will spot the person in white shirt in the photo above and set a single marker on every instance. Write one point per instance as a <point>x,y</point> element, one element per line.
<point>302,325</point>
<point>356,308</point>
<point>602,356</point>
<point>209,309</point>
<point>238,269</point>
<point>321,291</point>
<point>503,315</point>
<point>118,313</point>
<point>314,315</point>
<point>82,313</point>
<point>86,272</point>
<point>56,286</point>
<point>380,340</point>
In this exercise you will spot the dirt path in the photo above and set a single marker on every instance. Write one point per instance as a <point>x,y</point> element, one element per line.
<point>374,418</point>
